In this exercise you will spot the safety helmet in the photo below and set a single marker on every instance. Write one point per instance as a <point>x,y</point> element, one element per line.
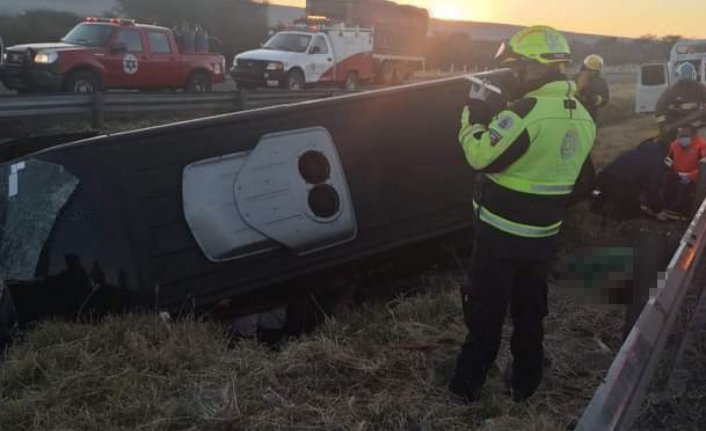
<point>686,72</point>
<point>540,44</point>
<point>593,62</point>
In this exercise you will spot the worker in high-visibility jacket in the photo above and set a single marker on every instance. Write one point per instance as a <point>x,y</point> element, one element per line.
<point>591,88</point>
<point>528,158</point>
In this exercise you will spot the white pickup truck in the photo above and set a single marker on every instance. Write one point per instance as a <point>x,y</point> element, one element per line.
<point>294,59</point>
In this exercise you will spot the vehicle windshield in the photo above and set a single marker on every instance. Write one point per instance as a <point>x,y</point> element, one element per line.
<point>292,42</point>
<point>97,35</point>
<point>32,194</point>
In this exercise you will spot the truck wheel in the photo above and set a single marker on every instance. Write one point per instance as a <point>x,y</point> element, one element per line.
<point>8,316</point>
<point>199,82</point>
<point>352,81</point>
<point>83,82</point>
<point>295,81</point>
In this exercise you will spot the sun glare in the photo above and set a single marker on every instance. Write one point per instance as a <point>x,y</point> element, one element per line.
<point>447,11</point>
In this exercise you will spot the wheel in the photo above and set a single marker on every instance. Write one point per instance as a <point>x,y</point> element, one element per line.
<point>8,316</point>
<point>198,82</point>
<point>352,81</point>
<point>83,82</point>
<point>295,80</point>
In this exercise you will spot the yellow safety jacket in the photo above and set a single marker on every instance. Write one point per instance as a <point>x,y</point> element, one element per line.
<point>529,157</point>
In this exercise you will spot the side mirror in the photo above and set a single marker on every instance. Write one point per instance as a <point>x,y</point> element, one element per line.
<point>315,50</point>
<point>118,48</point>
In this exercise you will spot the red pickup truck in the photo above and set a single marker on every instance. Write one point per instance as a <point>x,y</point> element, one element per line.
<point>110,53</point>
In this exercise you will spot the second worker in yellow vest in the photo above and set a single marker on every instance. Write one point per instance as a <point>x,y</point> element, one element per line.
<point>528,158</point>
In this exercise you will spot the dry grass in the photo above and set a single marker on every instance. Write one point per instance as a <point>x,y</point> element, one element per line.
<point>615,139</point>
<point>381,367</point>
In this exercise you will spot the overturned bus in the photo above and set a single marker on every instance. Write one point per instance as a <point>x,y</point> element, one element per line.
<point>221,209</point>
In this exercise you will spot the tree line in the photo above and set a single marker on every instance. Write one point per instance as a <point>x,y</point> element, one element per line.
<point>458,50</point>
<point>239,25</point>
<point>233,25</point>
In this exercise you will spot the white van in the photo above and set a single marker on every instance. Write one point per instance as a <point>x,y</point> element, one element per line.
<point>654,78</point>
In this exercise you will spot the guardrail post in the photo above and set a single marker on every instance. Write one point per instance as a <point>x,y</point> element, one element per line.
<point>98,99</point>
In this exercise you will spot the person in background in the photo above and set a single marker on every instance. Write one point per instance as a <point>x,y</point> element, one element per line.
<point>591,89</point>
<point>632,183</point>
<point>686,96</point>
<point>685,154</point>
<point>593,93</point>
<point>527,157</point>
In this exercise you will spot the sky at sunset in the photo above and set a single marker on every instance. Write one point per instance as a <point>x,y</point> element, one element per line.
<point>615,17</point>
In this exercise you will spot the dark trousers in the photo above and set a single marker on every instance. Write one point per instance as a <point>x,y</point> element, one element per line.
<point>494,283</point>
<point>677,196</point>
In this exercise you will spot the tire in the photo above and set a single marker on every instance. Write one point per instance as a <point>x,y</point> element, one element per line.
<point>295,80</point>
<point>82,82</point>
<point>198,82</point>
<point>351,81</point>
<point>8,316</point>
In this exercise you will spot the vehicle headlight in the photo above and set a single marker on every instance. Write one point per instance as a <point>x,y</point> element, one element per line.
<point>275,65</point>
<point>46,57</point>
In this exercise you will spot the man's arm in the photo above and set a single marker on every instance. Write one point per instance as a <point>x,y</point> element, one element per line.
<point>493,147</point>
<point>602,92</point>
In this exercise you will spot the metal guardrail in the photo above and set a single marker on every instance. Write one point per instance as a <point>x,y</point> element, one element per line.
<point>616,403</point>
<point>97,105</point>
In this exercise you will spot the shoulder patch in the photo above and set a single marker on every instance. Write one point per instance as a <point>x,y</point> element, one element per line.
<point>495,137</point>
<point>523,106</point>
<point>505,122</point>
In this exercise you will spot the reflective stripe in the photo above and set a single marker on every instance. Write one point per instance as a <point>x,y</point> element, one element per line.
<point>669,162</point>
<point>517,229</point>
<point>690,105</point>
<point>526,187</point>
<point>552,189</point>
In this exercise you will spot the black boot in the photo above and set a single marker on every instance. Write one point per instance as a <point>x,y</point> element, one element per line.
<point>465,390</point>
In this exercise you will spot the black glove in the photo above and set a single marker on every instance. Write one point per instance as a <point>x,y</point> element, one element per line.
<point>483,111</point>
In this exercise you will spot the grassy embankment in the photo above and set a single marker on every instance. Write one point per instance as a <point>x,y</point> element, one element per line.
<point>382,366</point>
